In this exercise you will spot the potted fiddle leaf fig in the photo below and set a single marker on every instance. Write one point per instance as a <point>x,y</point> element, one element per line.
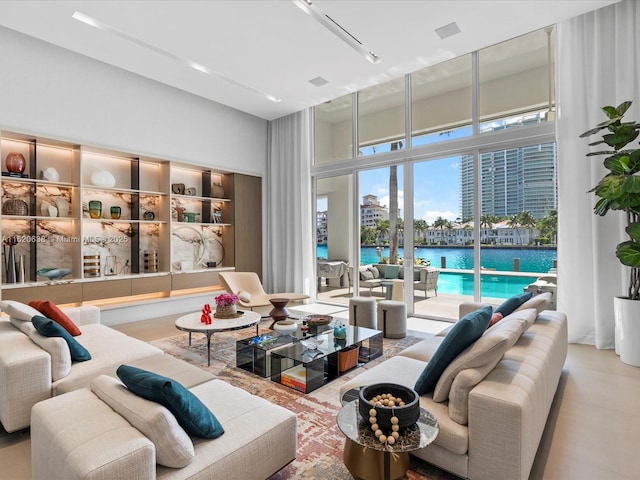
<point>619,190</point>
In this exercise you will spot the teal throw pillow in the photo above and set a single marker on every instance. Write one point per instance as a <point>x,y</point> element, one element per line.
<point>47,327</point>
<point>391,271</point>
<point>190,412</point>
<point>464,332</point>
<point>510,304</point>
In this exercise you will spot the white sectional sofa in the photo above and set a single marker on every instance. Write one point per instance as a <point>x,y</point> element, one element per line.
<point>34,367</point>
<point>84,422</point>
<point>492,405</point>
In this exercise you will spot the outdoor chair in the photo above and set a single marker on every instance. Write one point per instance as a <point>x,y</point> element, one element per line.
<point>428,280</point>
<point>248,287</point>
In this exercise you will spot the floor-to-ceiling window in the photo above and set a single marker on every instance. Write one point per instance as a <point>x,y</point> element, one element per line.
<point>454,170</point>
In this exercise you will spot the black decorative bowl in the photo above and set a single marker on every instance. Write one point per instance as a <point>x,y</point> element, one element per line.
<point>407,414</point>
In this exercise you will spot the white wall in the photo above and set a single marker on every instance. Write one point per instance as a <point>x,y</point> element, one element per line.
<point>55,93</point>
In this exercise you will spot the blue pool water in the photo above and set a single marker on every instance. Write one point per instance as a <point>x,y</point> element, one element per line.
<point>501,259</point>
<point>532,260</point>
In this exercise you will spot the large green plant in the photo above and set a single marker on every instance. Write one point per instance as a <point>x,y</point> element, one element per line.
<point>619,189</point>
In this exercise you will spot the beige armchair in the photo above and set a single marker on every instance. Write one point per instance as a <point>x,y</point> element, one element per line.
<point>428,280</point>
<point>248,286</point>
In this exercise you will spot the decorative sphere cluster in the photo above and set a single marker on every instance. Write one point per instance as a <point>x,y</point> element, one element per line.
<point>389,401</point>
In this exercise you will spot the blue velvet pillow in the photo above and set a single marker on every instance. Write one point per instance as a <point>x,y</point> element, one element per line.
<point>47,327</point>
<point>391,271</point>
<point>190,412</point>
<point>466,331</point>
<point>510,304</point>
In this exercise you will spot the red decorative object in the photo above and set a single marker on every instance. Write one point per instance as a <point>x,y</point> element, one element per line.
<point>16,163</point>
<point>206,314</point>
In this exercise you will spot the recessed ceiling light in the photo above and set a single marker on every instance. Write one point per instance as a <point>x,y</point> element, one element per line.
<point>318,81</point>
<point>190,63</point>
<point>449,30</point>
<point>329,23</point>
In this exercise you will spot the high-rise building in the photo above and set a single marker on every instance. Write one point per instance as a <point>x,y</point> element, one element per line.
<point>371,210</point>
<point>512,181</point>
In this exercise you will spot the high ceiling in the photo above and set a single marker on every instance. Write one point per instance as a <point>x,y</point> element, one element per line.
<point>255,49</point>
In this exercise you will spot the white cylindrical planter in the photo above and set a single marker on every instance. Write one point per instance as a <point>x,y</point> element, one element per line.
<point>627,333</point>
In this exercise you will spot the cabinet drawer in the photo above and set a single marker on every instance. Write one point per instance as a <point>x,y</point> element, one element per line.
<point>141,286</point>
<point>106,289</point>
<point>194,280</point>
<point>59,294</point>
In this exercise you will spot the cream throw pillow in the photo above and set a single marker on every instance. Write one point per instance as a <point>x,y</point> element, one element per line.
<point>539,302</point>
<point>19,311</point>
<point>460,388</point>
<point>244,296</point>
<point>58,350</point>
<point>174,448</point>
<point>489,348</point>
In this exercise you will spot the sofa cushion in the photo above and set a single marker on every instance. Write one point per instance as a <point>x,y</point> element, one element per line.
<point>18,310</point>
<point>174,448</point>
<point>56,347</point>
<point>366,275</point>
<point>391,272</point>
<point>466,331</point>
<point>47,327</point>
<point>495,318</point>
<point>190,412</point>
<point>375,271</point>
<point>510,304</point>
<point>539,302</point>
<point>51,310</point>
<point>489,348</point>
<point>424,349</point>
<point>461,387</point>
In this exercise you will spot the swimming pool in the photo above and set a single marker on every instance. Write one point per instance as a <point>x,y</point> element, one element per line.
<point>497,286</point>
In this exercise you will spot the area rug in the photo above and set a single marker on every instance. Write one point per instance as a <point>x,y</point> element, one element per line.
<point>320,441</point>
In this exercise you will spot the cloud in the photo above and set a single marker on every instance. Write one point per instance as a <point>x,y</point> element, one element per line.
<point>431,215</point>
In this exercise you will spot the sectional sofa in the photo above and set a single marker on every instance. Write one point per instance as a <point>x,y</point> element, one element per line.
<point>86,425</point>
<point>493,400</point>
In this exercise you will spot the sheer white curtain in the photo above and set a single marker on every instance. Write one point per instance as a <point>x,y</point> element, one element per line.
<point>289,251</point>
<point>597,64</point>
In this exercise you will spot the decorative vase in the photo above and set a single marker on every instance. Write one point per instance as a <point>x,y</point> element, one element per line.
<point>217,191</point>
<point>15,206</point>
<point>627,330</point>
<point>226,311</point>
<point>16,163</point>
<point>10,267</point>
<point>102,178</point>
<point>116,212</point>
<point>95,208</point>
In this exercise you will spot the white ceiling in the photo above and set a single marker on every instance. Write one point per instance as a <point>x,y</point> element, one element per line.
<point>272,47</point>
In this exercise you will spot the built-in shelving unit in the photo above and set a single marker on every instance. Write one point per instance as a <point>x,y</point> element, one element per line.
<point>125,226</point>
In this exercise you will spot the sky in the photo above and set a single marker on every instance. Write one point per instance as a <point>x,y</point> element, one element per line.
<point>436,182</point>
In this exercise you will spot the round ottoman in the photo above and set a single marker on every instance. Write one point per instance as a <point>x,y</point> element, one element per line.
<point>392,318</point>
<point>362,312</point>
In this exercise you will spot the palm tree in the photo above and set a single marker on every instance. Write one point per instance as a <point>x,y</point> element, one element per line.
<point>514,223</point>
<point>449,226</point>
<point>440,224</point>
<point>393,208</point>
<point>548,226</point>
<point>382,230</point>
<point>527,220</point>
<point>420,227</point>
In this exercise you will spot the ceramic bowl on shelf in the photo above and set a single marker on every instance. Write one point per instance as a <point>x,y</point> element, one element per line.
<point>102,178</point>
<point>54,273</point>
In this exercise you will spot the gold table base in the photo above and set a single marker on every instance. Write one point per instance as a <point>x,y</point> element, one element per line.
<point>368,464</point>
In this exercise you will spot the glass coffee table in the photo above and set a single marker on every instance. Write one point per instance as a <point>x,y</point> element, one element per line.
<point>377,461</point>
<point>191,323</point>
<point>306,369</point>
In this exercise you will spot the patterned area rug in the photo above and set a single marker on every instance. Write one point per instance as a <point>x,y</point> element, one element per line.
<point>320,441</point>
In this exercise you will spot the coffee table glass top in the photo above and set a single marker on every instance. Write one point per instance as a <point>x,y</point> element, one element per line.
<point>329,344</point>
<point>411,438</point>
